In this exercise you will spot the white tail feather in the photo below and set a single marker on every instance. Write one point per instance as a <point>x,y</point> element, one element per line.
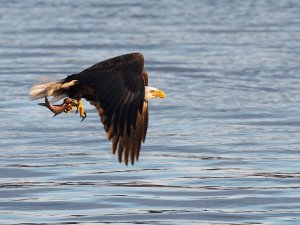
<point>56,89</point>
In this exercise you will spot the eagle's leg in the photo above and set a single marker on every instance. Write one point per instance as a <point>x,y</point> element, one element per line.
<point>80,108</point>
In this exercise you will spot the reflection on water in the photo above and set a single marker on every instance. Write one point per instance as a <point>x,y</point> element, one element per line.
<point>223,148</point>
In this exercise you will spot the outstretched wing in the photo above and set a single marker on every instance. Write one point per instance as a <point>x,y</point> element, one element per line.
<point>118,86</point>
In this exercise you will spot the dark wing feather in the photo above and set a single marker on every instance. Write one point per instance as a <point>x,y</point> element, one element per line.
<point>118,85</point>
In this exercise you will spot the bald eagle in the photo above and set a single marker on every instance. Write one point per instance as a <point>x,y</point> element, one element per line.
<point>118,88</point>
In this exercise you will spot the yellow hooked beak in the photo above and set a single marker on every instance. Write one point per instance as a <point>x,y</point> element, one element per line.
<point>159,94</point>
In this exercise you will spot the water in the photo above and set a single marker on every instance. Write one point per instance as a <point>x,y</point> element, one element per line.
<point>223,148</point>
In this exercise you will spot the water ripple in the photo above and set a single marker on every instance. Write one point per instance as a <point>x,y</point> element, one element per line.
<point>222,148</point>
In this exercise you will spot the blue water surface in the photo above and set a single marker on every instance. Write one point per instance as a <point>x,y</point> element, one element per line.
<point>222,148</point>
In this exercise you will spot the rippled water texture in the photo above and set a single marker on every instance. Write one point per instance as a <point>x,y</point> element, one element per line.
<point>223,148</point>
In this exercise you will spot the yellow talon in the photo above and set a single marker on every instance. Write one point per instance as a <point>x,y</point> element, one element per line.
<point>81,109</point>
<point>71,103</point>
<point>67,100</point>
<point>69,109</point>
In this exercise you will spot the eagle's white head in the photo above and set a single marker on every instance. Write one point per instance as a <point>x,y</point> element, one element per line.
<point>152,92</point>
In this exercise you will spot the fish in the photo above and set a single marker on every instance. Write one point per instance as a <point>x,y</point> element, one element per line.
<point>66,106</point>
